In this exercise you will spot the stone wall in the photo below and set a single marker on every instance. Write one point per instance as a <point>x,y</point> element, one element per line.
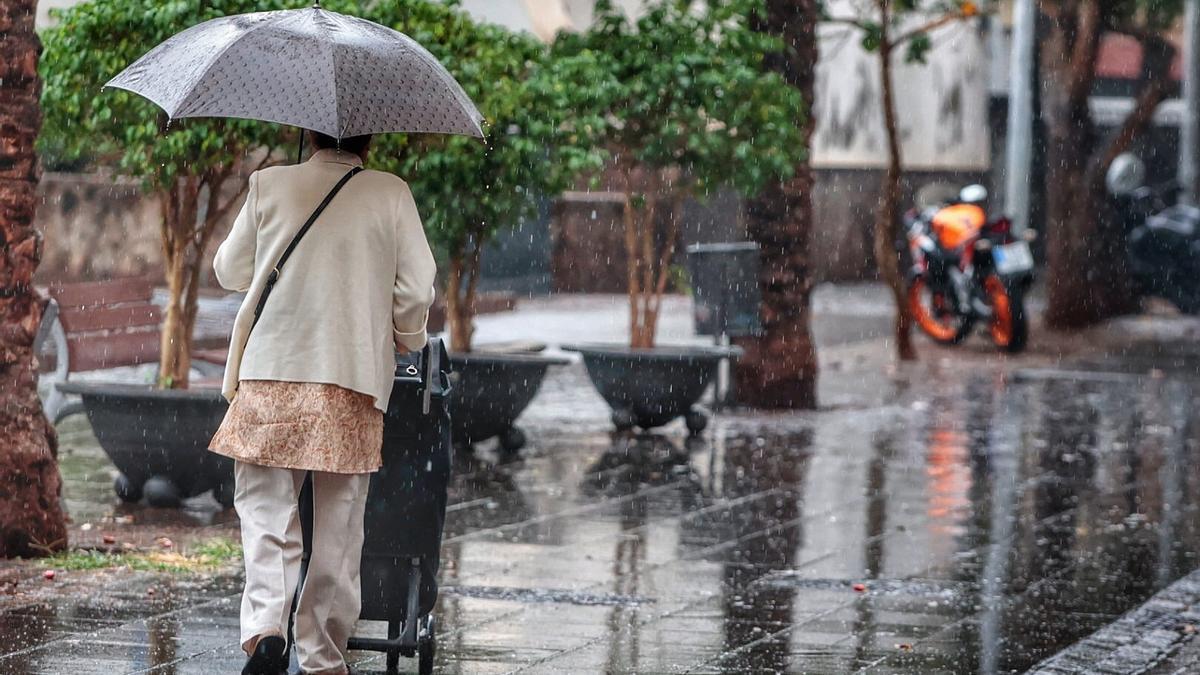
<point>99,227</point>
<point>588,251</point>
<point>96,227</point>
<point>844,203</point>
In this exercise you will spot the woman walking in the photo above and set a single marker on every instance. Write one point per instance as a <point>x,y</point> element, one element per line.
<point>308,378</point>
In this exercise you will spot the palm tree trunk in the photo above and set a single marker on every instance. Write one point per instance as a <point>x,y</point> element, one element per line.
<point>779,368</point>
<point>31,516</point>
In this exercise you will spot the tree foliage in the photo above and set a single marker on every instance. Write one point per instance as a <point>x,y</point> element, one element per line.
<point>91,43</point>
<point>688,108</point>
<point>194,166</point>
<point>536,144</point>
<point>688,91</point>
<point>466,189</point>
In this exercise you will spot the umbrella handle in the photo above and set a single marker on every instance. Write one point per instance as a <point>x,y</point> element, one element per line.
<point>300,149</point>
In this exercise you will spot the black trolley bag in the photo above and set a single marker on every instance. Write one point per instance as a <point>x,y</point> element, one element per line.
<point>406,511</point>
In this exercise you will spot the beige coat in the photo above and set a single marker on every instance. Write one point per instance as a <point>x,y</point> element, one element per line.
<point>357,287</point>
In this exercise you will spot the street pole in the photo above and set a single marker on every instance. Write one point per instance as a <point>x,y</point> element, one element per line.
<point>1189,127</point>
<point>1020,114</point>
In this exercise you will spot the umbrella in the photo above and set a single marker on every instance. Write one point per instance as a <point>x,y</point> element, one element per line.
<point>336,74</point>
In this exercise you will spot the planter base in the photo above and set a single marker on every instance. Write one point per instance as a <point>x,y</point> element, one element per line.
<point>158,440</point>
<point>648,388</point>
<point>490,392</point>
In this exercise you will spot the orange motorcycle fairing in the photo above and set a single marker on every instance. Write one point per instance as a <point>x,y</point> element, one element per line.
<point>955,225</point>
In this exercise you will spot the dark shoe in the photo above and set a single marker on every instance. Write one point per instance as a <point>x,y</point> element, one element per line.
<point>269,657</point>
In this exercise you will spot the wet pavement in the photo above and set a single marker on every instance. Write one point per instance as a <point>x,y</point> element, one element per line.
<point>969,514</point>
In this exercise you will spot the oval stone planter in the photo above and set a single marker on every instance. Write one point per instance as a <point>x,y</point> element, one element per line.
<point>490,391</point>
<point>648,388</point>
<point>158,440</point>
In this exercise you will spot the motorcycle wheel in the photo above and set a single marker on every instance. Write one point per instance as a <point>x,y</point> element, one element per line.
<point>931,310</point>
<point>1009,327</point>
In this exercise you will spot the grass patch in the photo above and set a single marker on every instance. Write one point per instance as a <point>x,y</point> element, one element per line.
<point>207,556</point>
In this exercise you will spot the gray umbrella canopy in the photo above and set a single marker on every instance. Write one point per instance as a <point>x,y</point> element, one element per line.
<point>336,74</point>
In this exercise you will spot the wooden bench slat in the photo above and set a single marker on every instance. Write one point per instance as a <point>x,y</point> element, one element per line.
<point>218,356</point>
<point>76,320</point>
<point>100,351</point>
<point>92,294</point>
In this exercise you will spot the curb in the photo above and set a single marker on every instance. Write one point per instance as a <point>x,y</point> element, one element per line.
<point>1139,640</point>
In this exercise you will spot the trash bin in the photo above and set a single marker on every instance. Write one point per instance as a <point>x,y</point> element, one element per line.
<point>725,299</point>
<point>725,292</point>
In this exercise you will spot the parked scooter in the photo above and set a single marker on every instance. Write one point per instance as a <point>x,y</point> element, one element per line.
<point>967,270</point>
<point>1163,235</point>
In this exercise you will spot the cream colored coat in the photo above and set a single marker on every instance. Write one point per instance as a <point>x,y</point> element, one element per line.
<point>357,287</point>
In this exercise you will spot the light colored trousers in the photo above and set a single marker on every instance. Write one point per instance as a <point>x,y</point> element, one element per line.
<point>266,500</point>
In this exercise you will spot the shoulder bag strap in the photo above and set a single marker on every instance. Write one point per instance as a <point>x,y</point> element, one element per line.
<point>273,277</point>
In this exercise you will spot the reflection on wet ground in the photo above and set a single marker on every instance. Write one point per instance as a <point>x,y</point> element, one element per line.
<point>975,525</point>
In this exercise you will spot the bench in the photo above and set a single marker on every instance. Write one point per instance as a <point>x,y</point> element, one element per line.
<point>101,325</point>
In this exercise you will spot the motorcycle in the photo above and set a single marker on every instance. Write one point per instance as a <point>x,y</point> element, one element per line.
<point>1163,235</point>
<point>967,270</point>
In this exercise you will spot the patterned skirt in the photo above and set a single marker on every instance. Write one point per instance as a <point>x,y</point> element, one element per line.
<point>302,425</point>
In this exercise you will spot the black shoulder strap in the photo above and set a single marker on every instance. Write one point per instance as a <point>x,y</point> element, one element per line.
<point>273,277</point>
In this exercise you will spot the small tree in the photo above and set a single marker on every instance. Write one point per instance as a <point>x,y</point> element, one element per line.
<point>534,145</point>
<point>196,167</point>
<point>890,26</point>
<point>31,515</point>
<point>1086,250</point>
<point>691,108</point>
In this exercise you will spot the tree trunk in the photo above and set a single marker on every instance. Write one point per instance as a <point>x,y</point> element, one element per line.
<point>779,368</point>
<point>31,517</point>
<point>176,343</point>
<point>1086,263</point>
<point>460,296</point>
<point>640,249</point>
<point>887,230</point>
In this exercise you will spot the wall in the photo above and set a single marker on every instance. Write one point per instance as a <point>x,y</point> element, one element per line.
<point>99,227</point>
<point>844,202</point>
<point>96,227</point>
<point>942,105</point>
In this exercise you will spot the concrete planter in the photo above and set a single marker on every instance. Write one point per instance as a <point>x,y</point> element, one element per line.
<point>490,391</point>
<point>648,388</point>
<point>158,440</point>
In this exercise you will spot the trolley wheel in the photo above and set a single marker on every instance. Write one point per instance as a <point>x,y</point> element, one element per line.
<point>126,489</point>
<point>393,655</point>
<point>426,650</point>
